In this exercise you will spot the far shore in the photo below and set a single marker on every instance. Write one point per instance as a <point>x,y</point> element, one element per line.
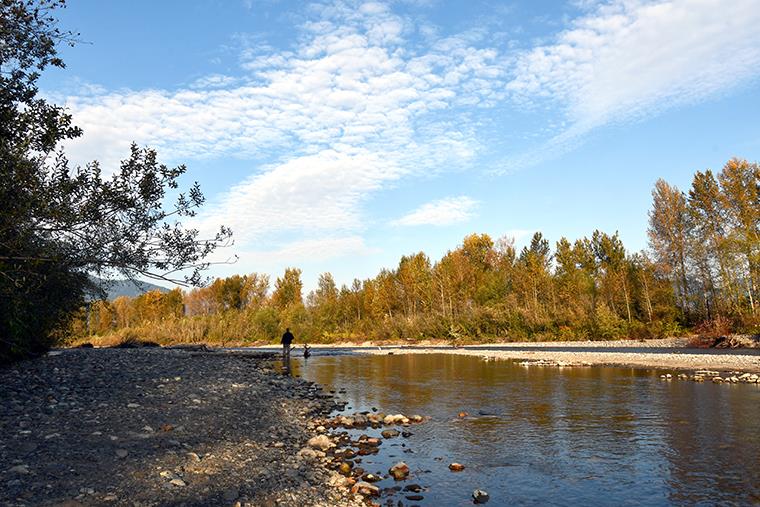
<point>668,353</point>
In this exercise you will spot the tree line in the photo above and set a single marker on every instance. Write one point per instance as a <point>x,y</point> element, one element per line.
<point>702,271</point>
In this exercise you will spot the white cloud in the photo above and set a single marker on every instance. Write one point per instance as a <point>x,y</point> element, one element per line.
<point>307,194</point>
<point>351,108</point>
<point>344,113</point>
<point>451,210</point>
<point>349,82</point>
<point>628,59</point>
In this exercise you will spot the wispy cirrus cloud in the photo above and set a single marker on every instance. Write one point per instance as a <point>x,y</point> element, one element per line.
<point>447,211</point>
<point>628,59</point>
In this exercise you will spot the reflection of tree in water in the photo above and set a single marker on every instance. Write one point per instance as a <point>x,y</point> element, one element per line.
<point>712,442</point>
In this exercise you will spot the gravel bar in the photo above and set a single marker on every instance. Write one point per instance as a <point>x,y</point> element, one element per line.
<point>668,353</point>
<point>146,427</point>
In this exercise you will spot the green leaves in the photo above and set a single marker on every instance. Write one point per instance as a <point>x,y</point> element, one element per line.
<point>60,223</point>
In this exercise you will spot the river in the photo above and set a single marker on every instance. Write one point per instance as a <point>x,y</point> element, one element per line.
<point>553,436</point>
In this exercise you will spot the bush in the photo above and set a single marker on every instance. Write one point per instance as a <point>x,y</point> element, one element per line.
<point>607,325</point>
<point>34,310</point>
<point>714,328</point>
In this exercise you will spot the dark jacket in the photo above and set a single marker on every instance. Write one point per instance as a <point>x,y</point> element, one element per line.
<point>287,337</point>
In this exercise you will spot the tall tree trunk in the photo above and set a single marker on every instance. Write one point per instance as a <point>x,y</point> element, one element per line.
<point>443,301</point>
<point>749,292</point>
<point>684,285</point>
<point>646,296</point>
<point>627,303</point>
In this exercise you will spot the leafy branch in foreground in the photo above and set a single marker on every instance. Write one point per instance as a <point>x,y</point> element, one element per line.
<point>117,224</point>
<point>58,225</point>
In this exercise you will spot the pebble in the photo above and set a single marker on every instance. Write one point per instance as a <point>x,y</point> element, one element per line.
<point>479,496</point>
<point>122,453</point>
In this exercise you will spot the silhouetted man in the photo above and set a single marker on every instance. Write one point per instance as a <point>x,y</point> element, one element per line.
<point>287,339</point>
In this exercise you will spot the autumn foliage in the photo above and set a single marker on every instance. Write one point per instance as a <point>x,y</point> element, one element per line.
<point>701,275</point>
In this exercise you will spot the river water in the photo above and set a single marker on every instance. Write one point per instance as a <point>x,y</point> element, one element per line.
<point>551,436</point>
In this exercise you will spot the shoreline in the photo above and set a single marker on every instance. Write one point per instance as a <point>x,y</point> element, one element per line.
<point>663,354</point>
<point>159,426</point>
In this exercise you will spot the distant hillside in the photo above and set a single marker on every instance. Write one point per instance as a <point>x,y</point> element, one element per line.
<point>118,288</point>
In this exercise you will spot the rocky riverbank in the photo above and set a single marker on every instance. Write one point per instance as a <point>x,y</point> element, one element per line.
<point>143,427</point>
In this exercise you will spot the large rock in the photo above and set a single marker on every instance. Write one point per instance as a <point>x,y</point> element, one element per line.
<point>399,471</point>
<point>390,433</point>
<point>479,496</point>
<point>366,489</point>
<point>321,442</point>
<point>346,422</point>
<point>395,419</point>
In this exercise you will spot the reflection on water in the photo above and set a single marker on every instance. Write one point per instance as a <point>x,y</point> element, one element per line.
<point>547,436</point>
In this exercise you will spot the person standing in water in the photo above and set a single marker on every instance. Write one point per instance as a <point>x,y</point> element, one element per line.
<point>287,339</point>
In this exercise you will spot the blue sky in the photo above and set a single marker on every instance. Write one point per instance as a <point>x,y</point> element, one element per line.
<point>339,135</point>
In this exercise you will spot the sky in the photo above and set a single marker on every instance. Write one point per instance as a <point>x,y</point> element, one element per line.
<point>340,135</point>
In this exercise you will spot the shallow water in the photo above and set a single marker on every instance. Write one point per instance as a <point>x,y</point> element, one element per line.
<point>550,436</point>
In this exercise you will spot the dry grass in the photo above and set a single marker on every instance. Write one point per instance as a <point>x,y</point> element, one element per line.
<point>132,338</point>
